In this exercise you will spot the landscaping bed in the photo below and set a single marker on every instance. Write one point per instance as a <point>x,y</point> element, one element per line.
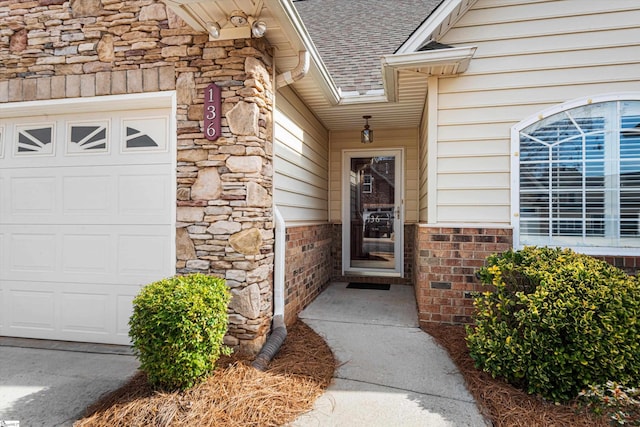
<point>235,395</point>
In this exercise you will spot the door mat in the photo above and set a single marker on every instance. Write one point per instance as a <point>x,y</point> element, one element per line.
<point>375,286</point>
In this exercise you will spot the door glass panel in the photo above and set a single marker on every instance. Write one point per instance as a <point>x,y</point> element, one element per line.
<point>372,212</point>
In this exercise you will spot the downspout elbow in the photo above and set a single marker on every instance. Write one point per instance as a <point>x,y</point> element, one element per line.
<point>295,74</point>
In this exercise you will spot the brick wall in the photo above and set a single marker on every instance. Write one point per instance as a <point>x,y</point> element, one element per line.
<point>446,263</point>
<point>447,260</point>
<point>308,267</point>
<point>629,264</point>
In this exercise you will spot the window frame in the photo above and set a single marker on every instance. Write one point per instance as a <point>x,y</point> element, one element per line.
<point>515,168</point>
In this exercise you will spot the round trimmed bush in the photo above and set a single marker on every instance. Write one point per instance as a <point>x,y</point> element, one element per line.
<point>177,329</point>
<point>556,321</point>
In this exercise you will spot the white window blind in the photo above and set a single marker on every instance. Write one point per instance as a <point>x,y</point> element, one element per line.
<point>579,175</point>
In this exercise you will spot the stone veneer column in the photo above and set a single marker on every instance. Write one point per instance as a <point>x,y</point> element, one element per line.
<point>225,187</point>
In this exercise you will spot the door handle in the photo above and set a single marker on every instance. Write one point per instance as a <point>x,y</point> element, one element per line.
<point>397,212</point>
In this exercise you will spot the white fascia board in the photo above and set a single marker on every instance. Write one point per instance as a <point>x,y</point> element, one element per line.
<point>423,33</point>
<point>295,21</point>
<point>371,97</point>
<point>455,55</point>
<point>391,64</point>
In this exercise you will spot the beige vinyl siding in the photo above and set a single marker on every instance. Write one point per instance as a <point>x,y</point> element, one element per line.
<point>301,161</point>
<point>423,184</point>
<point>530,55</point>
<point>384,138</point>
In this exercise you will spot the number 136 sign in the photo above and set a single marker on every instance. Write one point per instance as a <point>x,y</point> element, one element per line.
<point>212,99</point>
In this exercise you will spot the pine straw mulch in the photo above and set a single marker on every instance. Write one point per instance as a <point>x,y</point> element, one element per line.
<point>239,395</point>
<point>503,404</point>
<point>235,395</point>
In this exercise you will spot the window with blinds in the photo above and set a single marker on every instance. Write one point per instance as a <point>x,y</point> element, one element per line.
<point>579,174</point>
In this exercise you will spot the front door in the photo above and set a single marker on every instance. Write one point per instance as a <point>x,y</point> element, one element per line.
<point>372,217</point>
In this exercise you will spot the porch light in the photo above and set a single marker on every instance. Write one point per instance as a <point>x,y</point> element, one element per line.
<point>258,28</point>
<point>214,29</point>
<point>366,135</point>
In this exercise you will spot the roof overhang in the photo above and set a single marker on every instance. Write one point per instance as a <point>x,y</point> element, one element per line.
<point>404,73</point>
<point>285,32</point>
<point>441,62</point>
<point>436,25</point>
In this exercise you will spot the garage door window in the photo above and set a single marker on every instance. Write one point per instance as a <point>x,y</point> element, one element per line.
<point>88,137</point>
<point>579,177</point>
<point>35,139</point>
<point>144,134</point>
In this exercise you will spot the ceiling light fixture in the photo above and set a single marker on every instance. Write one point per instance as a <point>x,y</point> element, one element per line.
<point>366,135</point>
<point>214,29</point>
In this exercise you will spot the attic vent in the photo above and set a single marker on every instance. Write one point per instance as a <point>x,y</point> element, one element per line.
<point>433,45</point>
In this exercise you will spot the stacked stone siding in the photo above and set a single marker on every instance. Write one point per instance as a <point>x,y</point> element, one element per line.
<point>308,267</point>
<point>447,260</point>
<point>53,49</point>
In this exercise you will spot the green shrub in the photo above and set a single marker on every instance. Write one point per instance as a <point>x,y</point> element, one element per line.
<point>177,329</point>
<point>620,404</point>
<point>556,321</point>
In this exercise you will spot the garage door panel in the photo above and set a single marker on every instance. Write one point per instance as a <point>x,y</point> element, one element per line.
<point>30,309</point>
<point>33,253</point>
<point>89,253</point>
<point>32,196</point>
<point>142,256</point>
<point>87,195</point>
<point>124,310</point>
<point>3,256</point>
<point>4,196</point>
<point>131,254</point>
<point>83,312</point>
<point>74,312</point>
<point>91,196</point>
<point>145,196</point>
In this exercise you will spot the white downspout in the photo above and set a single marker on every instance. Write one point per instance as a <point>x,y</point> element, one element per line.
<point>278,327</point>
<point>297,73</point>
<point>279,267</point>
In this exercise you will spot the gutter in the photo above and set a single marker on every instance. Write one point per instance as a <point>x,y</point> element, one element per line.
<point>291,14</point>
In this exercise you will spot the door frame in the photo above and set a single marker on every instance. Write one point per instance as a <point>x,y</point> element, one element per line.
<point>347,155</point>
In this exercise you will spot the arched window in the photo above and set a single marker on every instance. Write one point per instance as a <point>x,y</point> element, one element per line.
<point>578,178</point>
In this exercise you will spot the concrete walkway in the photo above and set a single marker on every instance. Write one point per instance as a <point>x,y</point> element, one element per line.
<point>391,372</point>
<point>53,384</point>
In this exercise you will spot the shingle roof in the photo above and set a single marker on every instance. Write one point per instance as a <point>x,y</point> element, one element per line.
<point>352,35</point>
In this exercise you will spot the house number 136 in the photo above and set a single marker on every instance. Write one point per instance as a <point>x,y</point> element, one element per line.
<point>212,100</point>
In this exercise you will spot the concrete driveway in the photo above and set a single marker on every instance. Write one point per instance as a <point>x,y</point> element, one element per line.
<point>53,384</point>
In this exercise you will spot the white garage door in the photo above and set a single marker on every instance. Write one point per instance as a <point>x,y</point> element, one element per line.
<point>86,217</point>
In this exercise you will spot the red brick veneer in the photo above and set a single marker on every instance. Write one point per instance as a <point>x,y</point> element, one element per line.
<point>308,267</point>
<point>447,259</point>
